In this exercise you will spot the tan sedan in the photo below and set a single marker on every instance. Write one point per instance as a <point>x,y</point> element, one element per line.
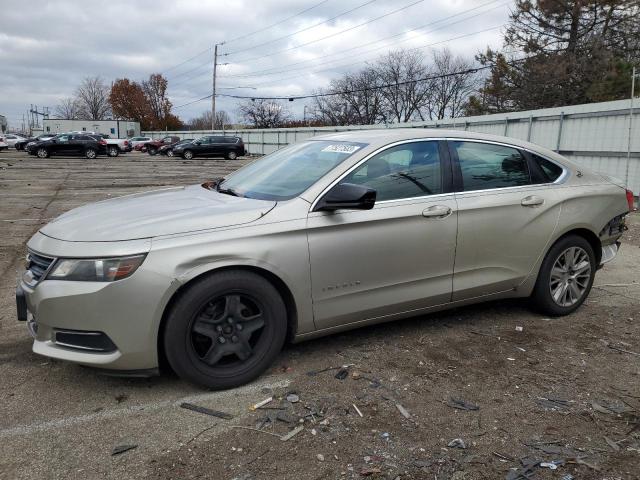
<point>336,232</point>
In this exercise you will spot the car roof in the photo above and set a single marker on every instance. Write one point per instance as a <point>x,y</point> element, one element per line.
<point>384,136</point>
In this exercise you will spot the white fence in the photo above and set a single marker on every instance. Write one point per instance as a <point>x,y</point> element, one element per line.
<point>596,135</point>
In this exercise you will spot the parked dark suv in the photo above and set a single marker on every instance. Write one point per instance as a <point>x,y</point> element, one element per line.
<point>68,144</point>
<point>211,146</point>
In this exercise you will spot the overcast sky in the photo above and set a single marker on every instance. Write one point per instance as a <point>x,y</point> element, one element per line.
<point>48,47</point>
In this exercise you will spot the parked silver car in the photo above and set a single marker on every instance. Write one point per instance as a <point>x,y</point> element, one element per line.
<point>333,233</point>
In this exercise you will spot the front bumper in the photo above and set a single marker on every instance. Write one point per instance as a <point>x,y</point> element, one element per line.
<point>112,325</point>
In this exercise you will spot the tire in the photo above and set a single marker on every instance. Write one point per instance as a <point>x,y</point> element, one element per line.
<point>204,338</point>
<point>170,152</point>
<point>566,276</point>
<point>187,155</point>
<point>152,151</point>
<point>42,153</point>
<point>232,155</point>
<point>90,153</point>
<point>113,151</point>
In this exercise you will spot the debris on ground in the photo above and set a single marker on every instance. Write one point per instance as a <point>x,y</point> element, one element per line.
<point>206,411</point>
<point>403,411</point>
<point>292,398</point>
<point>320,457</point>
<point>553,403</point>
<point>342,374</point>
<point>117,450</point>
<point>461,404</point>
<point>457,443</point>
<point>292,433</point>
<point>261,404</point>
<point>357,410</point>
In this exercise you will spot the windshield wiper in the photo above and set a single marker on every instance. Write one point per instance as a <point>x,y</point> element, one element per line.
<point>227,191</point>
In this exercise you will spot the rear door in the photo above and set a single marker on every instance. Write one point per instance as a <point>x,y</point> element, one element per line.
<point>396,257</point>
<point>505,217</point>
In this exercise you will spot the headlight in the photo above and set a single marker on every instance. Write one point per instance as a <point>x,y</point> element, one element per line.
<point>95,270</point>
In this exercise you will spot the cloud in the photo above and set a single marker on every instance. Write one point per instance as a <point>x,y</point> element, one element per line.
<point>46,51</point>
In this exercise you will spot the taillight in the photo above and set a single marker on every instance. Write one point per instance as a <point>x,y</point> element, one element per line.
<point>126,144</point>
<point>630,199</point>
<point>103,142</point>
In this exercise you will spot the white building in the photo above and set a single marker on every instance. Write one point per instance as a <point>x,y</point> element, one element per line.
<point>113,128</point>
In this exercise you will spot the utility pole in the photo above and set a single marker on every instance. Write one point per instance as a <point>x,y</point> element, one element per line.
<point>633,92</point>
<point>213,94</point>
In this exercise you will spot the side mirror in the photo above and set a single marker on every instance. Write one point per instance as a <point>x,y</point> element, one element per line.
<point>347,196</point>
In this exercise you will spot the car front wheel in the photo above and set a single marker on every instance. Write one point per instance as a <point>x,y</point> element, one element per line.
<point>187,155</point>
<point>90,153</point>
<point>232,155</point>
<point>113,151</point>
<point>225,329</point>
<point>566,276</point>
<point>152,151</point>
<point>42,153</point>
<point>170,153</point>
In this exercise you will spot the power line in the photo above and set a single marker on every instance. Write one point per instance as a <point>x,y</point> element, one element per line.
<point>285,69</point>
<point>344,92</point>
<point>353,63</point>
<point>277,23</point>
<point>304,29</point>
<point>337,67</point>
<point>332,35</point>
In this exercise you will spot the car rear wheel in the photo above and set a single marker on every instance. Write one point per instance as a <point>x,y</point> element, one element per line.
<point>566,276</point>
<point>232,155</point>
<point>90,153</point>
<point>42,153</point>
<point>187,155</point>
<point>170,152</point>
<point>113,151</point>
<point>225,330</point>
<point>152,151</point>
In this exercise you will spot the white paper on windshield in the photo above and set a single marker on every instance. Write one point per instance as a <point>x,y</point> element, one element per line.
<point>341,148</point>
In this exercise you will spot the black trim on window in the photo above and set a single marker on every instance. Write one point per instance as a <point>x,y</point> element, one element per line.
<point>457,184</point>
<point>446,167</point>
<point>536,174</point>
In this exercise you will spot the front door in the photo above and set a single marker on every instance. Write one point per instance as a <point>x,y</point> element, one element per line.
<point>396,257</point>
<point>505,219</point>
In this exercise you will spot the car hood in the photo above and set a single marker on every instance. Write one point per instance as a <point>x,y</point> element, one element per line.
<point>155,213</point>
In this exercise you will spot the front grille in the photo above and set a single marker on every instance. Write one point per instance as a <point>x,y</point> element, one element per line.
<point>38,265</point>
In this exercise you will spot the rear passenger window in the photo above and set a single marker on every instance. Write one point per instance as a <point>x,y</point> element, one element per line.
<point>485,166</point>
<point>550,170</point>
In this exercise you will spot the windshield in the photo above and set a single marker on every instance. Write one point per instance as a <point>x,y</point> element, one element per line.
<point>287,173</point>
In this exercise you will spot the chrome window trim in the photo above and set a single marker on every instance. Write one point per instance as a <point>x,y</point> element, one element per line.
<point>369,156</point>
<point>561,179</point>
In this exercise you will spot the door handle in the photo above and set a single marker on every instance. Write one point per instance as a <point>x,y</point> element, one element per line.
<point>532,201</point>
<point>436,211</point>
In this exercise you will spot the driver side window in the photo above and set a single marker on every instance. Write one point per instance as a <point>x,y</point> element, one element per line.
<point>404,171</point>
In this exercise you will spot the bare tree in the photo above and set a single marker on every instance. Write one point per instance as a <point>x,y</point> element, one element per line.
<point>449,90</point>
<point>203,122</point>
<point>406,92</point>
<point>262,113</point>
<point>67,109</point>
<point>356,100</point>
<point>92,97</point>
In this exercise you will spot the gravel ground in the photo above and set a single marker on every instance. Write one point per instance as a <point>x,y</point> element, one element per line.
<point>564,390</point>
